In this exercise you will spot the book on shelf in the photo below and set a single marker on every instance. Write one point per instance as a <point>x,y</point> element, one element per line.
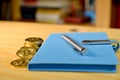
<point>28,2</point>
<point>50,15</point>
<point>28,12</point>
<point>45,10</point>
<point>77,13</point>
<point>118,15</point>
<point>115,19</point>
<point>76,20</point>
<point>5,9</point>
<point>45,3</point>
<point>1,9</point>
<point>59,11</point>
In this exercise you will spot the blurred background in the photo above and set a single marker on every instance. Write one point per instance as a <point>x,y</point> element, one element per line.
<point>103,13</point>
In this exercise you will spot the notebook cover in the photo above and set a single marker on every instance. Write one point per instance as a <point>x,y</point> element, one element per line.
<point>56,54</point>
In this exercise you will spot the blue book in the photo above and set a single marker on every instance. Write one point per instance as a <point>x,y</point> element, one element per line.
<point>56,54</point>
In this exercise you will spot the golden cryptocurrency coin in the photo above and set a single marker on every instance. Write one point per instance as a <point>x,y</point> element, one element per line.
<point>26,52</point>
<point>25,63</point>
<point>28,44</point>
<point>17,62</point>
<point>36,47</point>
<point>34,40</point>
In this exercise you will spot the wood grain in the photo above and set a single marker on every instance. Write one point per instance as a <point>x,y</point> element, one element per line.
<point>12,36</point>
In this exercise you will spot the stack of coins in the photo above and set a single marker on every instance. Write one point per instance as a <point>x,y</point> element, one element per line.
<point>25,53</point>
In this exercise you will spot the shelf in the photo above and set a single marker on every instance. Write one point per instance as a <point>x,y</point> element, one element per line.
<point>103,12</point>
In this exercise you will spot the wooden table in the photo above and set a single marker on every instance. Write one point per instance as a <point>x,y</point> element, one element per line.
<point>12,36</point>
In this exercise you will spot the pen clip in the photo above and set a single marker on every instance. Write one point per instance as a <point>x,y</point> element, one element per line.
<point>115,45</point>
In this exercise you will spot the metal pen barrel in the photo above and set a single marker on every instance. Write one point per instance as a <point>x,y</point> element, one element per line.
<point>74,44</point>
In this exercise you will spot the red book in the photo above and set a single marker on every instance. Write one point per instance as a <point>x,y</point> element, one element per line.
<point>77,20</point>
<point>118,16</point>
<point>115,21</point>
<point>30,2</point>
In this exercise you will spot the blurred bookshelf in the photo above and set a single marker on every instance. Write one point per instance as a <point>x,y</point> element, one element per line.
<point>94,13</point>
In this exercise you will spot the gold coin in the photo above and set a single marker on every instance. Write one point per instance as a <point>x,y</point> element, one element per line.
<point>28,44</point>
<point>17,62</point>
<point>25,63</point>
<point>26,52</point>
<point>34,40</point>
<point>36,47</point>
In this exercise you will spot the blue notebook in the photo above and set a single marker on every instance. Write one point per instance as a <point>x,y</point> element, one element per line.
<point>56,54</point>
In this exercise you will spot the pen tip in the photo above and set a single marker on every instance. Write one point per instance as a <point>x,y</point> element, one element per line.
<point>63,34</point>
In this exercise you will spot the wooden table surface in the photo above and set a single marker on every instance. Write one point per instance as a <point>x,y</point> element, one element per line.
<point>12,38</point>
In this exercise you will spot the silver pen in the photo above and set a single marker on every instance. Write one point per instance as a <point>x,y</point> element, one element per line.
<point>75,45</point>
<point>96,42</point>
<point>115,44</point>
